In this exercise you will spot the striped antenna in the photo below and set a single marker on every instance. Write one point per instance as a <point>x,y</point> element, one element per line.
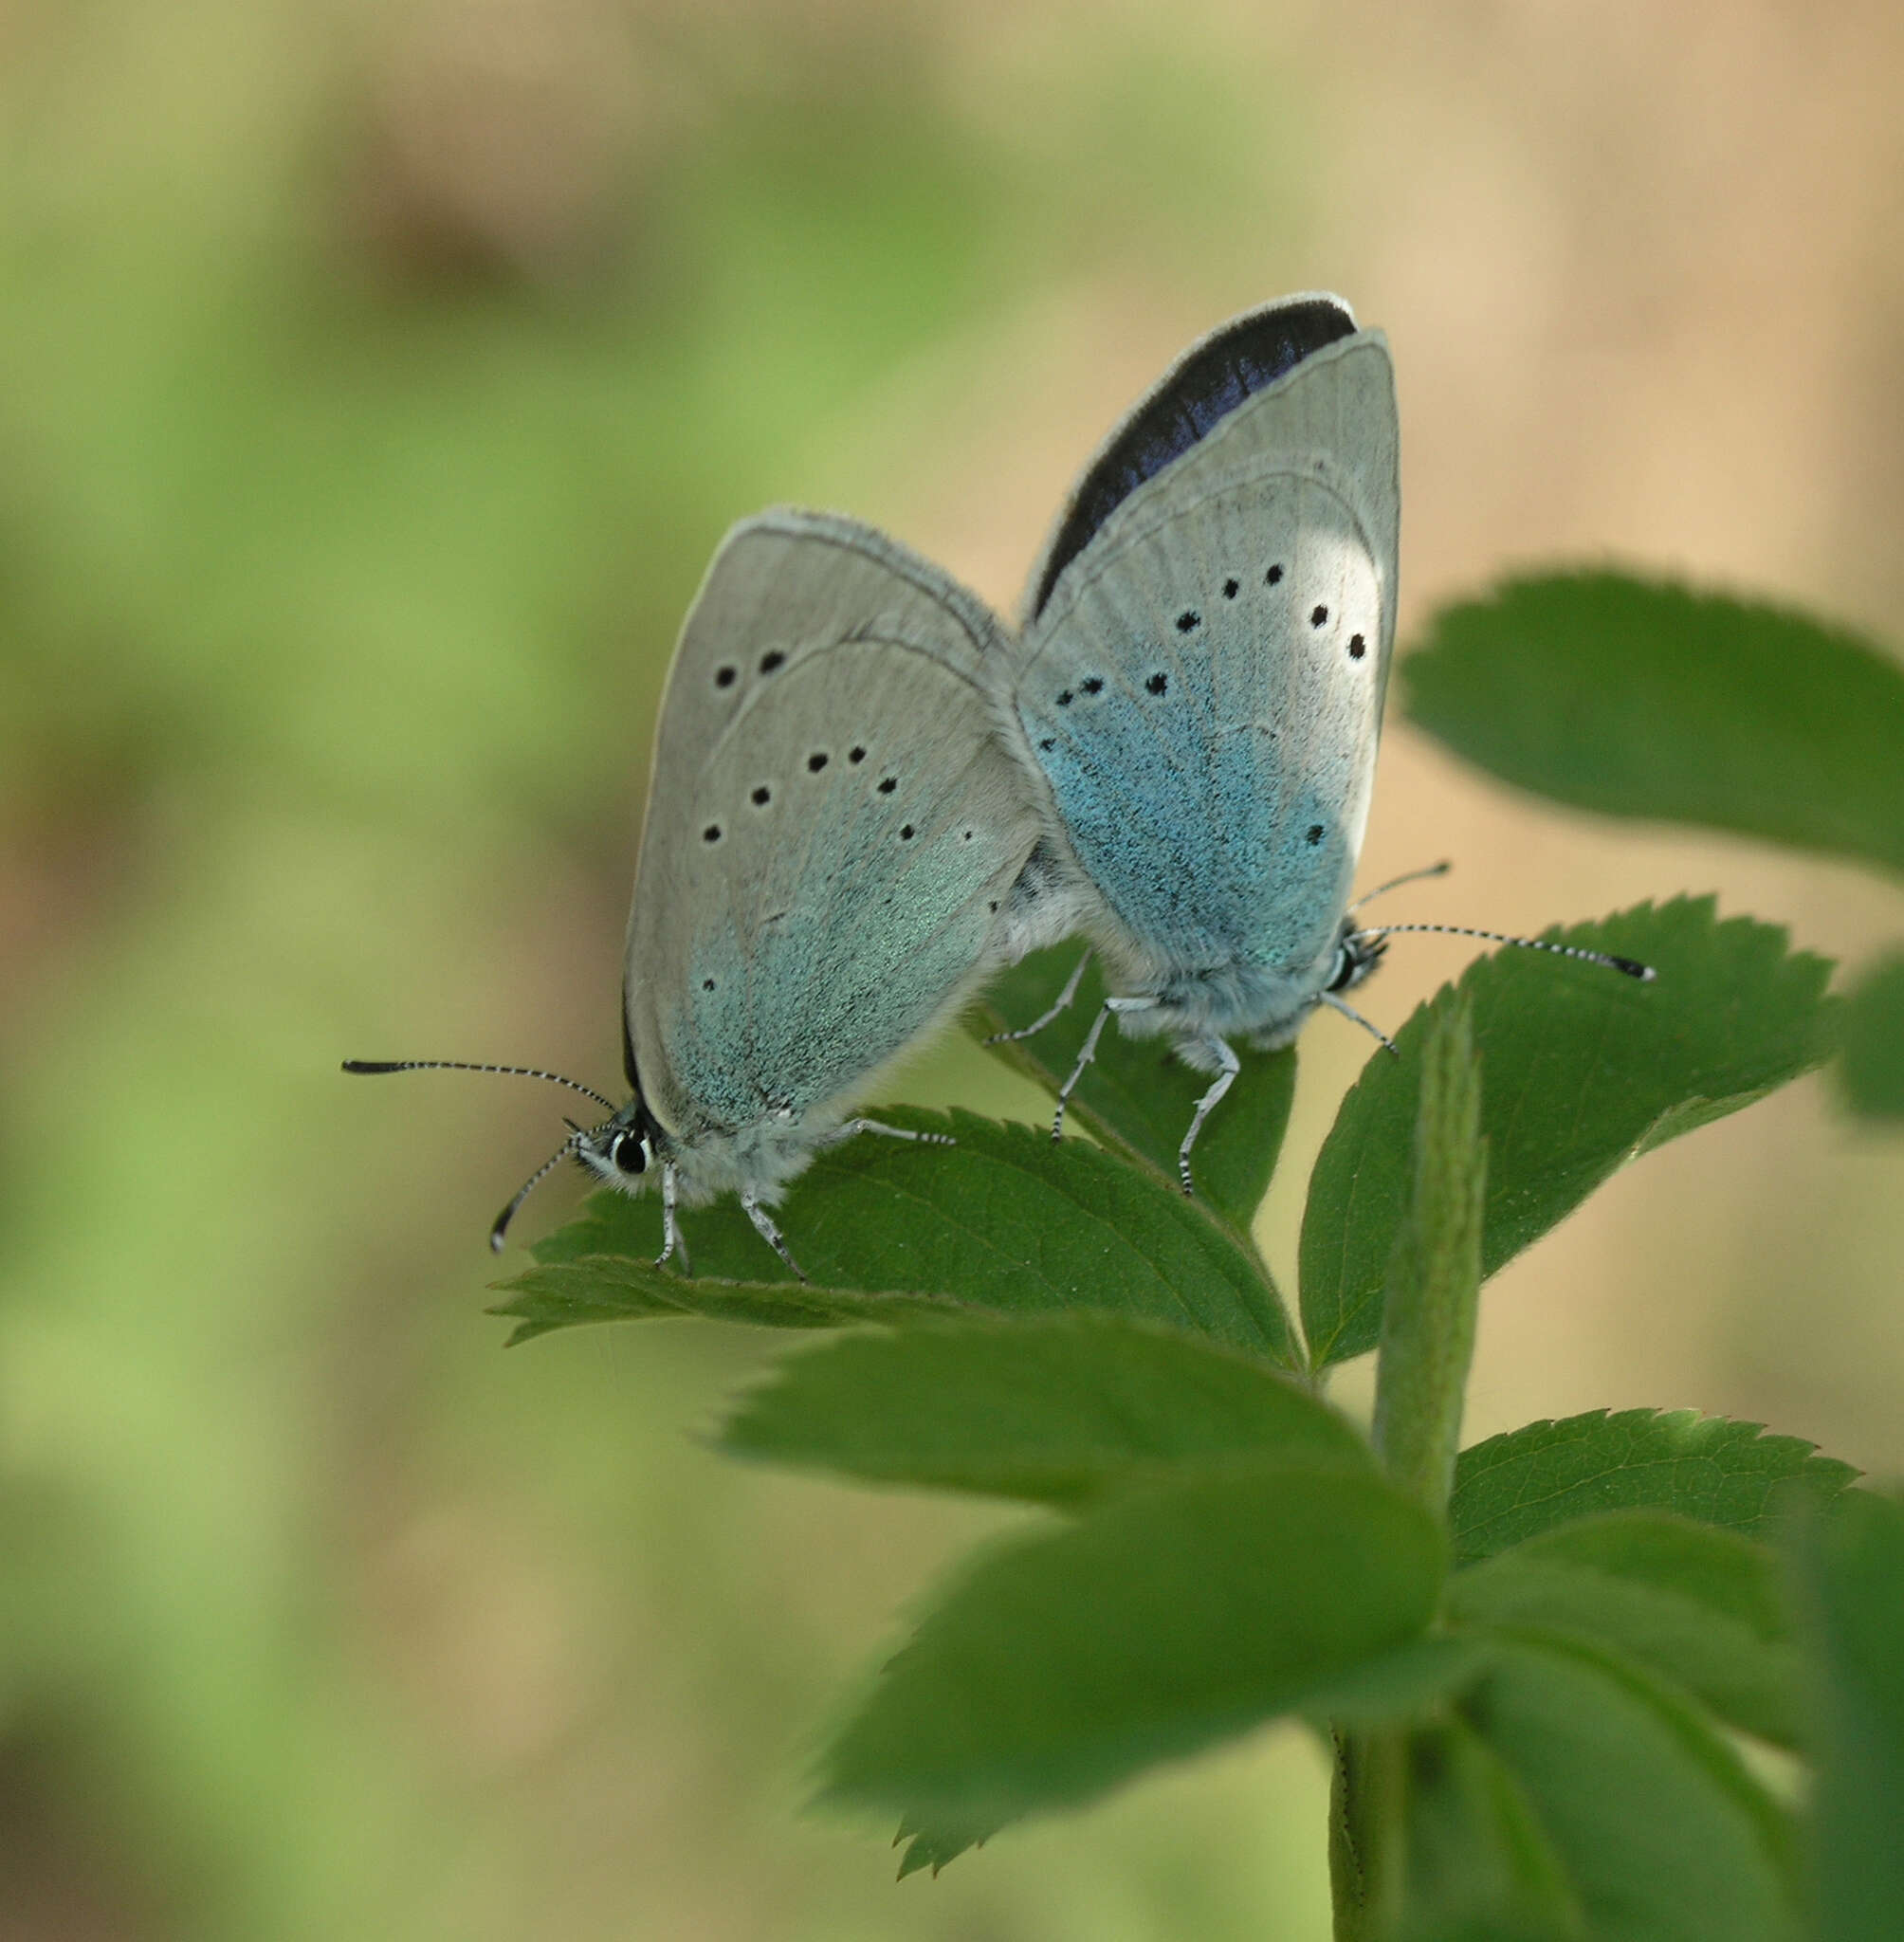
<point>458,1065</point>
<point>502,1221</point>
<point>1394,883</point>
<point>1630,966</point>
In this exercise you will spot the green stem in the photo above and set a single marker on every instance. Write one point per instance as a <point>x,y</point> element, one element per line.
<point>1434,1283</point>
<point>1366,1843</point>
<point>1431,1296</point>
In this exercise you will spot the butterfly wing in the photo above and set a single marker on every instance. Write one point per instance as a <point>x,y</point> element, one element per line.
<point>1207,643</point>
<point>833,824</point>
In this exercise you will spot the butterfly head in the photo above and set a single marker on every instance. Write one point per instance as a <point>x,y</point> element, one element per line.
<point>623,1149</point>
<point>1357,953</point>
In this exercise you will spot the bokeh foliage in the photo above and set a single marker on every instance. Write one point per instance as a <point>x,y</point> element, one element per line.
<point>344,524</point>
<point>350,496</point>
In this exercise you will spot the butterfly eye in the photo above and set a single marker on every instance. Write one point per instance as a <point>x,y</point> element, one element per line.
<point>631,1153</point>
<point>1355,956</point>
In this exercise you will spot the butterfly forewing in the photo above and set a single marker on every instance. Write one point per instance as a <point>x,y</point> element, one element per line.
<point>1203,689</point>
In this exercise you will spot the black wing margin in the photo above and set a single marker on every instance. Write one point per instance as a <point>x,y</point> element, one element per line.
<point>1230,365</point>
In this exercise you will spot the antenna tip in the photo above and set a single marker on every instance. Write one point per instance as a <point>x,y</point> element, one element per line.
<point>371,1065</point>
<point>496,1234</point>
<point>1633,968</point>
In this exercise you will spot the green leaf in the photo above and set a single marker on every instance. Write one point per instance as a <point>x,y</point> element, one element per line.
<point>1585,1070</point>
<point>1159,1623</point>
<point>1479,1861</point>
<point>1433,1287</point>
<point>1058,1409</point>
<point>932,1847</point>
<point>1649,700</point>
<point>1399,1686</point>
<point>1004,1221</point>
<point>1870,1064</point>
<point>1698,1607</point>
<point>1137,1095</point>
<point>1848,1573</point>
<point>615,1288</point>
<point>1514,1485</point>
<point>1663,1835</point>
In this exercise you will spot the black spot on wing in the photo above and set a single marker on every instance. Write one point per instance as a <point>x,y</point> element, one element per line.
<point>1236,364</point>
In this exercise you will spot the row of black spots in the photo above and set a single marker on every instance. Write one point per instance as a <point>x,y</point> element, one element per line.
<point>1093,684</point>
<point>728,673</point>
<point>820,758</point>
<point>1358,645</point>
<point>1190,619</point>
<point>761,794</point>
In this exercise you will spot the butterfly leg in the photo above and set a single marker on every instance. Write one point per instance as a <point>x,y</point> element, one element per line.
<point>1348,1011</point>
<point>855,1126</point>
<point>1088,1052</point>
<point>671,1240</point>
<point>1063,1003</point>
<point>1229,1065</point>
<point>764,1226</point>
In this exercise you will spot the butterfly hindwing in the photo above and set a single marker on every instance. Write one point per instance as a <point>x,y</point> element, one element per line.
<point>831,830</point>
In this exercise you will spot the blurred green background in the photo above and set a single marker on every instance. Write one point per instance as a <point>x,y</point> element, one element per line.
<point>375,381</point>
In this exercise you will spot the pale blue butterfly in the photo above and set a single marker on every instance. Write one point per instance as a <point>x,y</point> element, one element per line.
<point>838,846</point>
<point>1199,684</point>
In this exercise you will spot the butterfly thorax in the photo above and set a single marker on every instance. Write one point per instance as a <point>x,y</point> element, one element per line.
<point>1234,997</point>
<point>1264,1003</point>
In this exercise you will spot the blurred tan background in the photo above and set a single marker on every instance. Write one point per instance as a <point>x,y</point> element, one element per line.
<point>375,381</point>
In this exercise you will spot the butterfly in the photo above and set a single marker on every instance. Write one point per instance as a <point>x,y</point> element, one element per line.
<point>838,846</point>
<point>1196,689</point>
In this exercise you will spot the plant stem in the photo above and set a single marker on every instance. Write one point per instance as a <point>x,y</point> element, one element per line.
<point>1432,1288</point>
<point>1431,1296</point>
<point>1367,1807</point>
